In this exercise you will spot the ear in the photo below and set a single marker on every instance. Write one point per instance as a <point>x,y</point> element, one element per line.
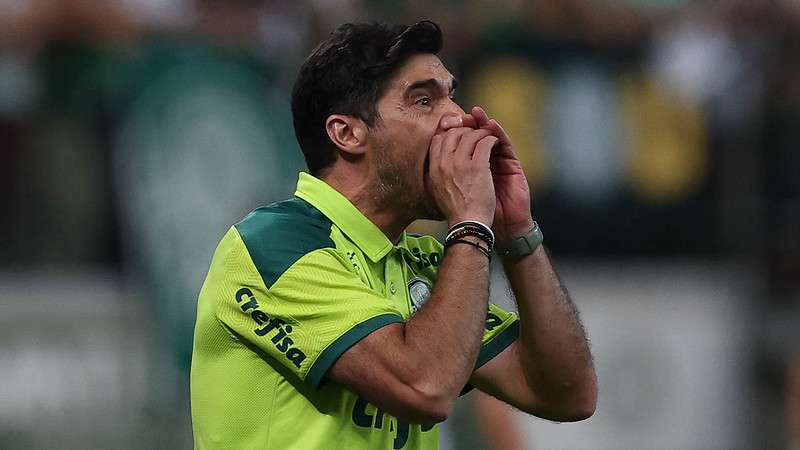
<point>347,132</point>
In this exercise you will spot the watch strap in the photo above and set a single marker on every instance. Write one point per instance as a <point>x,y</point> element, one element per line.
<point>521,246</point>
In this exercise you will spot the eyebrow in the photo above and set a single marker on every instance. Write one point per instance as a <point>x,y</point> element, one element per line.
<point>432,83</point>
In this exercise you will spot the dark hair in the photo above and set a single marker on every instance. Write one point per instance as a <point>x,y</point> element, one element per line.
<point>347,74</point>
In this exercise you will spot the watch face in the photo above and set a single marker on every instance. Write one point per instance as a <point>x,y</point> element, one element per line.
<point>419,291</point>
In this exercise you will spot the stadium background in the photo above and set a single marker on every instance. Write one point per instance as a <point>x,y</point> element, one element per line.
<point>660,137</point>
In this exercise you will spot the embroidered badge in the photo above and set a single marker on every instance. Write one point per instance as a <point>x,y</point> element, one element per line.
<point>419,290</point>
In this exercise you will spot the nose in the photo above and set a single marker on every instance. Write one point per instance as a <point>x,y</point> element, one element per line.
<point>453,108</point>
<point>457,108</point>
<point>452,117</point>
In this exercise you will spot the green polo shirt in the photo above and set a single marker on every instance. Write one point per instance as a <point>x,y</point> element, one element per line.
<point>290,288</point>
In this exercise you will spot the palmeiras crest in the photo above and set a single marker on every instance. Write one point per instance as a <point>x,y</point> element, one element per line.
<point>419,290</point>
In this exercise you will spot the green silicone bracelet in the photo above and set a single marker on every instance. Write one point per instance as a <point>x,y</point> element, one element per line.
<point>521,246</point>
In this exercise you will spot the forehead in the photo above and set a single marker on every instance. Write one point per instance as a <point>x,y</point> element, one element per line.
<point>420,67</point>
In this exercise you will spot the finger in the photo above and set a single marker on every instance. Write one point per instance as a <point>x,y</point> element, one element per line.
<point>466,147</point>
<point>483,121</point>
<point>494,125</point>
<point>435,155</point>
<point>483,149</point>
<point>498,131</point>
<point>468,120</point>
<point>481,118</point>
<point>450,121</point>
<point>451,140</point>
<point>436,142</point>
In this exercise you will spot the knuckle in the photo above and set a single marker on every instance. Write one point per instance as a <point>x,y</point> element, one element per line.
<point>451,139</point>
<point>472,138</point>
<point>483,134</point>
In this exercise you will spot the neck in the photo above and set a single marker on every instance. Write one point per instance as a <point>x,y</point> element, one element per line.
<point>367,198</point>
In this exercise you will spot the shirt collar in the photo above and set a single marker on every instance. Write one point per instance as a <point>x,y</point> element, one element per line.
<point>346,216</point>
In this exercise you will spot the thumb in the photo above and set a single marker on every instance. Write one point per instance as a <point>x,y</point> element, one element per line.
<point>483,149</point>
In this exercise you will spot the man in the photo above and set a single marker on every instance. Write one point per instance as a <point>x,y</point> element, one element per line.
<point>323,325</point>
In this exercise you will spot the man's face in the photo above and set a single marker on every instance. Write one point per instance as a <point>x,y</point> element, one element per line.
<point>418,96</point>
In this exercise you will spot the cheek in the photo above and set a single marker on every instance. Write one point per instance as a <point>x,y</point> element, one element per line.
<point>413,136</point>
<point>424,131</point>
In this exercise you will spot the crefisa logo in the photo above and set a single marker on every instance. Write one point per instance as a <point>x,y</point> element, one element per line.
<point>419,290</point>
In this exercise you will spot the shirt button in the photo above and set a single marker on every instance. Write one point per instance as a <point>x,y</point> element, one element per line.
<point>392,288</point>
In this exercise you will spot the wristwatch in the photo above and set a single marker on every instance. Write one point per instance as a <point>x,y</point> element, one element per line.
<point>521,246</point>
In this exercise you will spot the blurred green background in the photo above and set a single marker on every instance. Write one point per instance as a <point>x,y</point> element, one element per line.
<point>661,139</point>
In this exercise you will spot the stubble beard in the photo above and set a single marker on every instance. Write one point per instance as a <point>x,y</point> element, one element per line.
<point>395,186</point>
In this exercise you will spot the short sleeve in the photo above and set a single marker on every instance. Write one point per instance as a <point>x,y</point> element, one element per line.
<point>312,313</point>
<point>501,329</point>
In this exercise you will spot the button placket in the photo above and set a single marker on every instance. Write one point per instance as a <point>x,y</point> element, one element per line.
<point>390,274</point>
<point>394,276</point>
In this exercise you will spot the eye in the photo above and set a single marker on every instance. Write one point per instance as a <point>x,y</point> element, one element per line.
<point>424,101</point>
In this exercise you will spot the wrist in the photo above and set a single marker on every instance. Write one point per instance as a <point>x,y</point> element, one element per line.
<point>522,245</point>
<point>510,232</point>
<point>451,222</point>
<point>472,241</point>
<point>473,233</point>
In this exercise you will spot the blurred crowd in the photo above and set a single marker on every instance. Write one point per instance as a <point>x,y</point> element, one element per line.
<point>134,132</point>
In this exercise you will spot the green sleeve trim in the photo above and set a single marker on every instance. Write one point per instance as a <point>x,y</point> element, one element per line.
<point>498,344</point>
<point>494,347</point>
<point>344,342</point>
